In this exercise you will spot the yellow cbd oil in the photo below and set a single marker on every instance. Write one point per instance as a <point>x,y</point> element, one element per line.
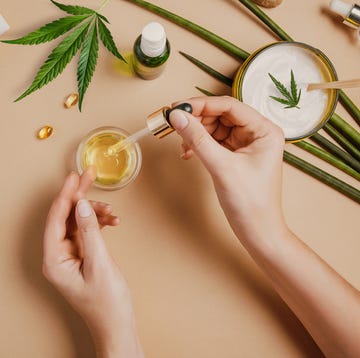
<point>113,171</point>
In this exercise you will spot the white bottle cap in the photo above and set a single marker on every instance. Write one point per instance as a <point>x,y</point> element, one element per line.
<point>153,39</point>
<point>341,7</point>
<point>4,26</point>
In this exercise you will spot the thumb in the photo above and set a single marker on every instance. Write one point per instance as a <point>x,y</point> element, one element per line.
<point>90,235</point>
<point>196,137</point>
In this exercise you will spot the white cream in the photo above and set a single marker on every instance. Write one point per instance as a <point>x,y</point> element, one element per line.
<point>279,60</point>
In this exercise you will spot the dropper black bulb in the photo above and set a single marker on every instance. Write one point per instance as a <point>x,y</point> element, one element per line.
<point>183,107</point>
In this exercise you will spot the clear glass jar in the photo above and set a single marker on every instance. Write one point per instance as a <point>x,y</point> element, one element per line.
<point>113,171</point>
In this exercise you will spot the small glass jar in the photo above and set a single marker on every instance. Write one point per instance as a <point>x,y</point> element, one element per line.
<point>253,86</point>
<point>114,171</point>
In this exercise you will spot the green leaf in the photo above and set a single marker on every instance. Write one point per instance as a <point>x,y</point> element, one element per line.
<point>87,62</point>
<point>78,10</point>
<point>74,10</point>
<point>58,59</point>
<point>293,85</point>
<point>102,17</point>
<point>281,100</point>
<point>49,31</point>
<point>292,99</point>
<point>282,89</point>
<point>108,41</point>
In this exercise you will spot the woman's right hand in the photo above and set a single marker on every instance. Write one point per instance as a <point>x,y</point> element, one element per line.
<point>242,150</point>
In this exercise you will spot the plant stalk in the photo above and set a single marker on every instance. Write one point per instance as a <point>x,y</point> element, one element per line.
<point>326,156</point>
<point>345,128</point>
<point>344,142</point>
<point>350,106</point>
<point>266,20</point>
<point>219,76</point>
<point>323,176</point>
<point>335,150</point>
<point>209,36</point>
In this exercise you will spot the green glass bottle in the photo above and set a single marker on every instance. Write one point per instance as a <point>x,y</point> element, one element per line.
<point>151,51</point>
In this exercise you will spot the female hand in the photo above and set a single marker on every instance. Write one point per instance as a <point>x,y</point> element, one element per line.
<point>78,264</point>
<point>242,151</point>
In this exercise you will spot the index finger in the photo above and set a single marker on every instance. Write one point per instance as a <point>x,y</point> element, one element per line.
<point>229,111</point>
<point>55,228</point>
<point>86,180</point>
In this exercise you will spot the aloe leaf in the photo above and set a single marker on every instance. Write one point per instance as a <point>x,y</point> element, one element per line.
<point>87,62</point>
<point>49,31</point>
<point>58,59</point>
<point>108,41</point>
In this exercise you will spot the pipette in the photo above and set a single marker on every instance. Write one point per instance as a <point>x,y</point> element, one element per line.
<point>157,124</point>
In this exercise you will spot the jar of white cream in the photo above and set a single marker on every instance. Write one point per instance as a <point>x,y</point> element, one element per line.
<point>254,86</point>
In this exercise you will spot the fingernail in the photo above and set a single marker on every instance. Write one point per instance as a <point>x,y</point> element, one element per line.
<point>178,120</point>
<point>84,208</point>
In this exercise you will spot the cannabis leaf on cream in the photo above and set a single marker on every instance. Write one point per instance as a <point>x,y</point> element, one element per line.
<point>290,98</point>
<point>87,26</point>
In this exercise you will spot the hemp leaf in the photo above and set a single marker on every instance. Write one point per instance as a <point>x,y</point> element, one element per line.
<point>86,25</point>
<point>290,99</point>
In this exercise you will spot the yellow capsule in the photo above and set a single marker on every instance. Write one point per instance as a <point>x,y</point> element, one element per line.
<point>71,100</point>
<point>45,132</point>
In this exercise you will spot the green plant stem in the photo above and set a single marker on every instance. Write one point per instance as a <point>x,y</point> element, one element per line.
<point>346,129</point>
<point>209,36</point>
<point>205,92</point>
<point>219,76</point>
<point>350,106</point>
<point>344,142</point>
<point>323,176</point>
<point>266,20</point>
<point>335,150</point>
<point>326,156</point>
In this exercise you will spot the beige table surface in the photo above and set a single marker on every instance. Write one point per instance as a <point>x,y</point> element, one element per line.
<point>196,291</point>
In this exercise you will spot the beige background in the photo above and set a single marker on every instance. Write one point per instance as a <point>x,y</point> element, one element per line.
<point>196,291</point>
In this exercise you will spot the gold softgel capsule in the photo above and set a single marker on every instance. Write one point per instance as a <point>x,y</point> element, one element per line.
<point>45,132</point>
<point>71,100</point>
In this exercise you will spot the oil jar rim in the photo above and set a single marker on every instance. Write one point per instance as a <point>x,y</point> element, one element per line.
<point>116,130</point>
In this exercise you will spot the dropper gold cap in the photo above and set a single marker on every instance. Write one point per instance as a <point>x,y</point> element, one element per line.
<point>158,122</point>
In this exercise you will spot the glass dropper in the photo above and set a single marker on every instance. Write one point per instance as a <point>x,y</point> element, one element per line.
<point>157,124</point>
